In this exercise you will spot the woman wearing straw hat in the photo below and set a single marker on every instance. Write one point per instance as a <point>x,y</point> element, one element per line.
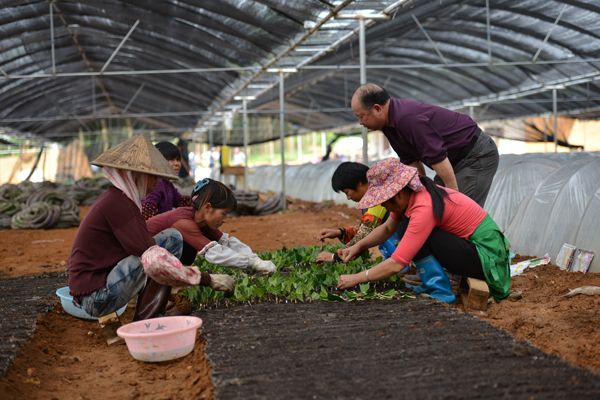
<point>439,228</point>
<point>105,270</point>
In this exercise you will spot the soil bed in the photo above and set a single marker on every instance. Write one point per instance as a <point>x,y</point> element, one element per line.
<point>23,301</point>
<point>377,349</point>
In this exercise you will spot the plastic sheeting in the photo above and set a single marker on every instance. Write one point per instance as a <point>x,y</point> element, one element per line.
<point>519,33</point>
<point>518,176</point>
<point>514,183</point>
<point>564,208</point>
<point>308,182</point>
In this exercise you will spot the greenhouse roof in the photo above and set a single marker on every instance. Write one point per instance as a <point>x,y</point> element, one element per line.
<point>176,66</point>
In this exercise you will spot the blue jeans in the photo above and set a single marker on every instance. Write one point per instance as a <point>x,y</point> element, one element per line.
<point>127,279</point>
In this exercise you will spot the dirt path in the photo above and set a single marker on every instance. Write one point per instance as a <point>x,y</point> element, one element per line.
<point>67,358</point>
<point>566,327</point>
<point>569,328</point>
<point>23,301</point>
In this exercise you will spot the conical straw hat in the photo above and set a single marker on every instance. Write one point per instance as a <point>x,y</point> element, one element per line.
<point>137,154</point>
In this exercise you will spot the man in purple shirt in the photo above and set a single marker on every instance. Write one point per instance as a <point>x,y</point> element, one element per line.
<point>463,156</point>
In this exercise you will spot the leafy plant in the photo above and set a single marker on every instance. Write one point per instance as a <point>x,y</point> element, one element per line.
<point>299,278</point>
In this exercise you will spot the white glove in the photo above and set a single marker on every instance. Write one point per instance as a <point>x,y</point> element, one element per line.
<point>224,239</point>
<point>224,256</point>
<point>222,283</point>
<point>263,266</point>
<point>234,244</point>
<point>206,248</point>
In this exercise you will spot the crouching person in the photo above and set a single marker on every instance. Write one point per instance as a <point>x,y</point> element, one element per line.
<point>438,227</point>
<point>199,225</point>
<point>351,178</point>
<point>105,269</point>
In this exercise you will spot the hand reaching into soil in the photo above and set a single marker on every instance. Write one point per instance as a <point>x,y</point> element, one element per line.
<point>222,283</point>
<point>350,253</point>
<point>325,256</point>
<point>264,266</point>
<point>348,281</point>
<point>329,234</point>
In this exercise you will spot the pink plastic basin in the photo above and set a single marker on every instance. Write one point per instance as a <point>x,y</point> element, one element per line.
<point>161,339</point>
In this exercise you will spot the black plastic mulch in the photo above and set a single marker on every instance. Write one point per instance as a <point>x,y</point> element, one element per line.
<point>22,301</point>
<point>418,349</point>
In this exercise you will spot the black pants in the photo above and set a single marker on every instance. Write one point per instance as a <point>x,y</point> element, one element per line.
<point>188,254</point>
<point>453,253</point>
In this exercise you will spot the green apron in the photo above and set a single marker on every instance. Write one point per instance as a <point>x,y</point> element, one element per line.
<point>492,248</point>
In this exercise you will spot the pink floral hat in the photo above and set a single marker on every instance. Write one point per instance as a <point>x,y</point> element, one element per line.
<point>386,179</point>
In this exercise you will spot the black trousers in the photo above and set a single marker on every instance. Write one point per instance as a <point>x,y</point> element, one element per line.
<point>188,254</point>
<point>453,253</point>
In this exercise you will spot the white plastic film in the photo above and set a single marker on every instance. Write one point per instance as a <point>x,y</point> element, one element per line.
<point>564,208</point>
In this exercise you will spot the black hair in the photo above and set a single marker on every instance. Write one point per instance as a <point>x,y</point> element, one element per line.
<point>438,197</point>
<point>214,192</point>
<point>348,175</point>
<point>371,94</point>
<point>168,150</point>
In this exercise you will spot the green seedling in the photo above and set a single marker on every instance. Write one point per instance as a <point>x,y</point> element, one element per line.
<point>299,278</point>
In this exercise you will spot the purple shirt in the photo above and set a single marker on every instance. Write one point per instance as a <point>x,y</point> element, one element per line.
<point>164,196</point>
<point>427,133</point>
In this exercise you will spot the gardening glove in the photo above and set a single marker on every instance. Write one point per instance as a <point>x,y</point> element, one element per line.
<point>225,257</point>
<point>235,245</point>
<point>263,266</point>
<point>222,283</point>
<point>224,240</point>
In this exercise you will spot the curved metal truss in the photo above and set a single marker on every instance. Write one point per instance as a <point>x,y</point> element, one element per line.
<point>173,65</point>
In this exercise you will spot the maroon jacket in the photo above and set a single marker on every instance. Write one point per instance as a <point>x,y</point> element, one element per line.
<point>112,229</point>
<point>428,133</point>
<point>182,219</point>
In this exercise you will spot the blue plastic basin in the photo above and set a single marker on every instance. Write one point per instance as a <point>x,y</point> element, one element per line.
<point>67,303</point>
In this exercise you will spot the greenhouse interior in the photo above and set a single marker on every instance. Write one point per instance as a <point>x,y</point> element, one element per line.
<point>264,99</point>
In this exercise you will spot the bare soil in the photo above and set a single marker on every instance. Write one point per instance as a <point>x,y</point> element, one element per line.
<point>66,358</point>
<point>568,327</point>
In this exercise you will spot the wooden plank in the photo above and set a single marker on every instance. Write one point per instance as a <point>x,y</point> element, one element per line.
<point>474,293</point>
<point>478,286</point>
<point>109,325</point>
